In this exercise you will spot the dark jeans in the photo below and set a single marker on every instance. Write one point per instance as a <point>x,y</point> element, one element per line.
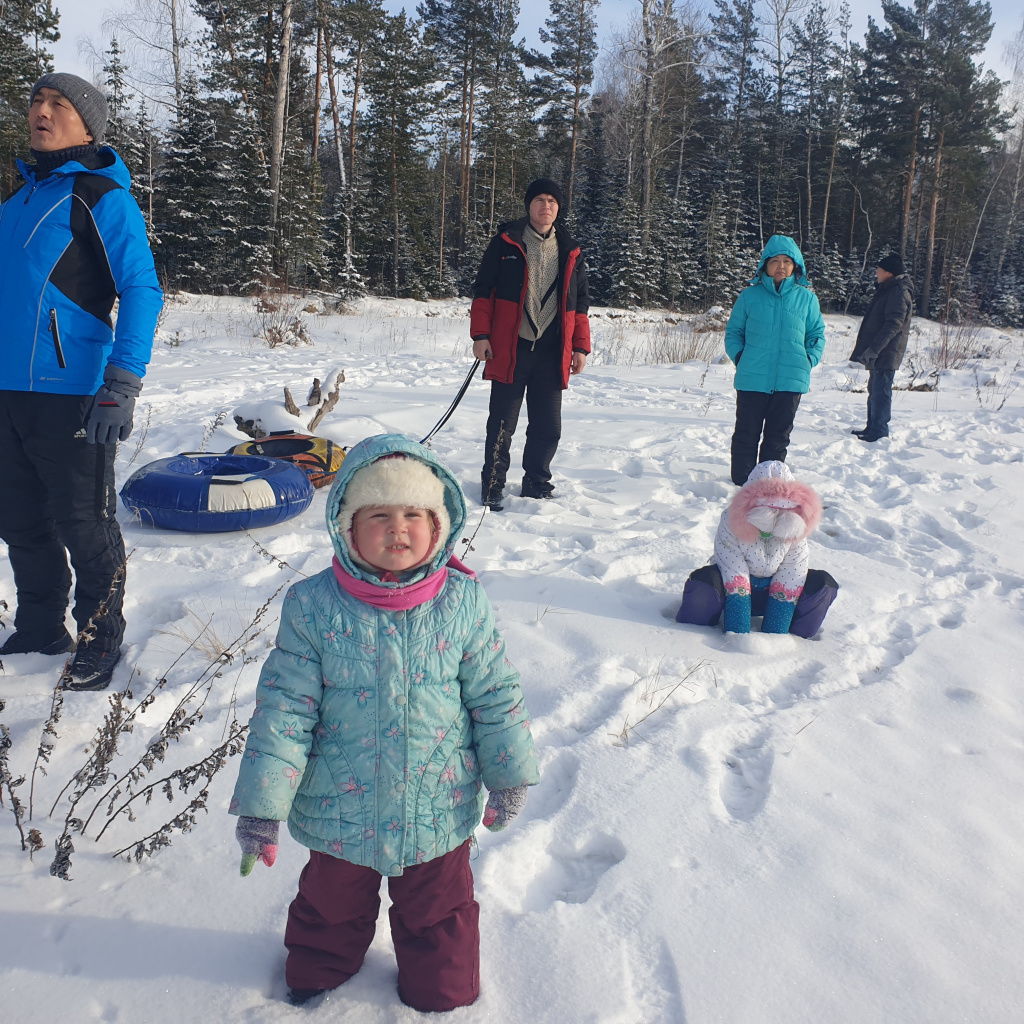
<point>757,413</point>
<point>434,925</point>
<point>59,500</point>
<point>879,402</point>
<point>538,376</point>
<point>704,600</point>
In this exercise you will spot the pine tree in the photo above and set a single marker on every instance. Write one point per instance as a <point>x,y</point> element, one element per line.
<point>26,26</point>
<point>395,226</point>
<point>564,84</point>
<point>192,193</point>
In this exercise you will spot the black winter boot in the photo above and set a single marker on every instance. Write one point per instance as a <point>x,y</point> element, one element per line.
<point>91,667</point>
<point>25,643</point>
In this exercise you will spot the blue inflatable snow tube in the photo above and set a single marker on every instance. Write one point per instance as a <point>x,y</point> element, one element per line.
<point>215,493</point>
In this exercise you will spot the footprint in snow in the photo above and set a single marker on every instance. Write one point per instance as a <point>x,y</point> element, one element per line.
<point>558,779</point>
<point>746,780</point>
<point>632,467</point>
<point>574,874</point>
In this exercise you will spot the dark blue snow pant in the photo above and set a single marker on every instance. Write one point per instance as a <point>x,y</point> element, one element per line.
<point>538,377</point>
<point>59,500</point>
<point>764,418</point>
<point>879,403</point>
<point>704,600</point>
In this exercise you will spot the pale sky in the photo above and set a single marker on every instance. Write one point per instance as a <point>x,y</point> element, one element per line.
<point>82,18</point>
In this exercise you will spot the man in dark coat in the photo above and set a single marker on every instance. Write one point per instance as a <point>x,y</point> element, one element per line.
<point>529,323</point>
<point>72,240</point>
<point>882,340</point>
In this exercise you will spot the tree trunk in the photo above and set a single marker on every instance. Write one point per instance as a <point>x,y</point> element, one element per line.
<point>926,284</point>
<point>335,112</point>
<point>176,54</point>
<point>647,129</point>
<point>280,99</point>
<point>356,80</point>
<point>1018,185</point>
<point>467,157</point>
<point>316,93</point>
<point>908,195</point>
<point>444,193</point>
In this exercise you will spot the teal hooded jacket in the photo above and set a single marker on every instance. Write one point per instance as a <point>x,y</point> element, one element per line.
<point>375,730</point>
<point>775,338</point>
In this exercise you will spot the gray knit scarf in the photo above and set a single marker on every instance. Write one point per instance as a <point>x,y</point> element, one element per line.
<point>542,290</point>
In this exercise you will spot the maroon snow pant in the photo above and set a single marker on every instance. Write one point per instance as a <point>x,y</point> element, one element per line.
<point>435,925</point>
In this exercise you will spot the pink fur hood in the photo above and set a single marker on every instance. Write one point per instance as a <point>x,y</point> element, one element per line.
<point>771,485</point>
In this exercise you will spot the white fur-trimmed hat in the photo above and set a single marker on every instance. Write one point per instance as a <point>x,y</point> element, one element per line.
<point>394,479</point>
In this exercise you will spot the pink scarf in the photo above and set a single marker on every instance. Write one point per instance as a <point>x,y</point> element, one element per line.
<point>398,598</point>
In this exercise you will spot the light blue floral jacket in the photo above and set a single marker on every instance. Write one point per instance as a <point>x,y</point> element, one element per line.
<point>374,729</point>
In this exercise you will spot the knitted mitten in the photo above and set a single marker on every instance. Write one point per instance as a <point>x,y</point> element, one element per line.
<point>778,614</point>
<point>502,806</point>
<point>737,613</point>
<point>258,839</point>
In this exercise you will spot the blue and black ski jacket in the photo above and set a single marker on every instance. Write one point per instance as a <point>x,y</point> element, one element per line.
<point>70,244</point>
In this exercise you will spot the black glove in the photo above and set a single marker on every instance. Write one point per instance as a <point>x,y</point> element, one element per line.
<point>109,417</point>
<point>867,360</point>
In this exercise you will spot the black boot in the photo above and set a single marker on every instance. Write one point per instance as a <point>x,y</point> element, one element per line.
<point>91,667</point>
<point>26,643</point>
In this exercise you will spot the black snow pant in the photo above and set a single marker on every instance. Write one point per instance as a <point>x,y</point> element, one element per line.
<point>538,376</point>
<point>59,499</point>
<point>757,413</point>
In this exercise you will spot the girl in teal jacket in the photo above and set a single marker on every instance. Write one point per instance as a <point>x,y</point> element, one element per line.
<point>775,336</point>
<point>386,707</point>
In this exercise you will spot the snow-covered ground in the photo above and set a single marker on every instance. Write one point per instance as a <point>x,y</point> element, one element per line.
<point>799,831</point>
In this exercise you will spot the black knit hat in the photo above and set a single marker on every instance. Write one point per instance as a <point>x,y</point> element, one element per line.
<point>892,265</point>
<point>90,103</point>
<point>541,187</point>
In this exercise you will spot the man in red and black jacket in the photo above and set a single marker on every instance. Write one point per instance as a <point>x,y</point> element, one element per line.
<point>529,323</point>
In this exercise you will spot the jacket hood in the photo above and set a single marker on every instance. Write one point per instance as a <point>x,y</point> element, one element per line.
<point>782,245</point>
<point>112,167</point>
<point>363,454</point>
<point>772,503</point>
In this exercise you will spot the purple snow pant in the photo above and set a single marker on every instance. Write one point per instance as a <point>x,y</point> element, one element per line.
<point>434,925</point>
<point>704,599</point>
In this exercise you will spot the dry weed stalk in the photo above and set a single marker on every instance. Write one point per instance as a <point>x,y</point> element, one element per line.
<point>468,541</point>
<point>10,783</point>
<point>120,791</point>
<point>271,557</point>
<point>49,736</point>
<point>141,435</point>
<point>655,696</point>
<point>211,429</point>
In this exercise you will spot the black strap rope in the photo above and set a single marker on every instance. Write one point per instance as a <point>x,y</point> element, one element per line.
<point>455,404</point>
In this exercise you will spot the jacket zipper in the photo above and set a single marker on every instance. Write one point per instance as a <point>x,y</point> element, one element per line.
<point>522,299</point>
<point>55,331</point>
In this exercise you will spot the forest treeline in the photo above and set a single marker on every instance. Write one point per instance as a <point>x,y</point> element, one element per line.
<point>330,144</point>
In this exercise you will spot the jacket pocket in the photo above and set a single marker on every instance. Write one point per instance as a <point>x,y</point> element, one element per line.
<point>55,333</point>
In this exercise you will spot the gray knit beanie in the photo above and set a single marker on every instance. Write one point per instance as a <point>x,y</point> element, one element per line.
<point>87,100</point>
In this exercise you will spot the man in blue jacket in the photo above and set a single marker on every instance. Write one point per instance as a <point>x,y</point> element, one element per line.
<point>775,336</point>
<point>72,240</point>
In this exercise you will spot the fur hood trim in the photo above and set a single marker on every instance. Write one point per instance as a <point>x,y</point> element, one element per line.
<point>773,492</point>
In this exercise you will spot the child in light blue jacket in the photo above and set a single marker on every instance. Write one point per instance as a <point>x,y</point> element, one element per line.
<point>386,706</point>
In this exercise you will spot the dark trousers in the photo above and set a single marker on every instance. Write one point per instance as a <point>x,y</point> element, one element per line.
<point>538,376</point>
<point>59,500</point>
<point>879,402</point>
<point>704,600</point>
<point>757,413</point>
<point>434,925</point>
